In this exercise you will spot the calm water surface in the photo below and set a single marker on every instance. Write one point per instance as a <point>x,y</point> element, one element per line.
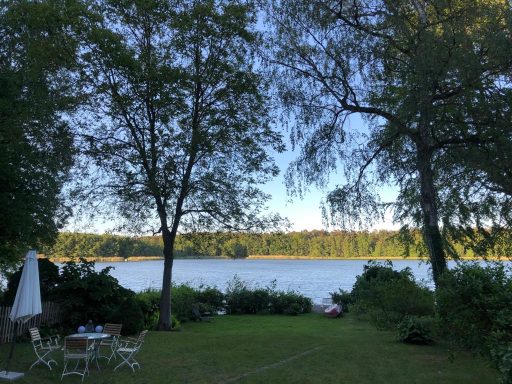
<point>313,278</point>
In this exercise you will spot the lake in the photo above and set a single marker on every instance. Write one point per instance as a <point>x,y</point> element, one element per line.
<point>312,278</point>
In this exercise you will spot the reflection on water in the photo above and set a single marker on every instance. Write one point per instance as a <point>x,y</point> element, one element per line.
<point>313,278</point>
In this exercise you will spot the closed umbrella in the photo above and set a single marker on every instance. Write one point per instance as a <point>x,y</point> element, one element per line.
<point>26,304</point>
<point>28,296</point>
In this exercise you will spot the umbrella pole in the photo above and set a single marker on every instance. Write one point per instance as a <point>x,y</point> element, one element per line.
<point>11,351</point>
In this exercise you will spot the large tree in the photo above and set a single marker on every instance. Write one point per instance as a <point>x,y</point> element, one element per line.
<point>431,79</point>
<point>178,127</point>
<point>36,144</point>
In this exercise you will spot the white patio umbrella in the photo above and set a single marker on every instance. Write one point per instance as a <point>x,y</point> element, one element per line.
<point>26,304</point>
<point>28,296</point>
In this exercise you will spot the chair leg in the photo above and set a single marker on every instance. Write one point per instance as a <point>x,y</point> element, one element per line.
<point>40,359</point>
<point>126,360</point>
<point>75,370</point>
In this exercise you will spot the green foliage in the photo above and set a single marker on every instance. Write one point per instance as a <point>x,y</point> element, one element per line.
<point>130,314</point>
<point>175,323</point>
<point>501,355</point>
<point>475,309</point>
<point>241,299</point>
<point>49,278</point>
<point>85,294</point>
<point>306,243</point>
<point>416,330</point>
<point>149,302</point>
<point>211,297</point>
<point>289,303</point>
<point>36,143</point>
<point>473,302</point>
<point>183,298</point>
<point>343,298</point>
<point>386,296</point>
<point>333,60</point>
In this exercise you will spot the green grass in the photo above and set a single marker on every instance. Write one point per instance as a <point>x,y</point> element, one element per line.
<point>276,349</point>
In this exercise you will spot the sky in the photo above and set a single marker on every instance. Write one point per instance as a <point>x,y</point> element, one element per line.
<point>305,213</point>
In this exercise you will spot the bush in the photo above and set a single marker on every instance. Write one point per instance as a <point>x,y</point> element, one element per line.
<point>130,315</point>
<point>416,330</point>
<point>84,294</point>
<point>211,297</point>
<point>475,309</point>
<point>386,296</point>
<point>475,305</point>
<point>290,302</point>
<point>501,355</point>
<point>243,300</point>
<point>246,301</point>
<point>149,303</point>
<point>183,299</point>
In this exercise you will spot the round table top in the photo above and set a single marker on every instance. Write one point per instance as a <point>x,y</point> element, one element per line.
<point>91,335</point>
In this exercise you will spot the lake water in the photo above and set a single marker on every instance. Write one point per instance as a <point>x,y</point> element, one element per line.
<point>313,278</point>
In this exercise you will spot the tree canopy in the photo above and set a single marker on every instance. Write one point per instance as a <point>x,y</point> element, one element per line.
<point>36,144</point>
<point>177,125</point>
<point>431,79</point>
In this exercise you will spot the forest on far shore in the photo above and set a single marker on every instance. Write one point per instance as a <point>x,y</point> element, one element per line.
<point>321,244</point>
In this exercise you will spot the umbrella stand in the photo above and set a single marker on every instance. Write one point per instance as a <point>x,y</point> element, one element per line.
<point>27,304</point>
<point>6,374</point>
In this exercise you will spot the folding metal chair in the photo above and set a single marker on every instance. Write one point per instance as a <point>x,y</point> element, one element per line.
<point>115,331</point>
<point>43,347</point>
<point>127,349</point>
<point>79,350</point>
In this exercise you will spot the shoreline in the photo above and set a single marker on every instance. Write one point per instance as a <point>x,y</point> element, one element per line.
<point>116,259</point>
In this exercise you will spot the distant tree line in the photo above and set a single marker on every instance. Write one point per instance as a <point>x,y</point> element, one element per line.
<point>346,244</point>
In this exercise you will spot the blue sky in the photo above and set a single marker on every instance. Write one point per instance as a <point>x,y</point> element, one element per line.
<point>305,213</point>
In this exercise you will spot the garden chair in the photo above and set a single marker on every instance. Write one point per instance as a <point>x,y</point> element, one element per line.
<point>128,348</point>
<point>115,331</point>
<point>77,349</point>
<point>43,347</point>
<point>197,315</point>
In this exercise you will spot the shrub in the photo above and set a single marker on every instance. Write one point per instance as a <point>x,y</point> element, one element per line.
<point>290,302</point>
<point>416,330</point>
<point>175,323</point>
<point>475,305</point>
<point>149,302</point>
<point>130,315</point>
<point>386,296</point>
<point>243,300</point>
<point>183,299</point>
<point>211,297</point>
<point>84,294</point>
<point>501,355</point>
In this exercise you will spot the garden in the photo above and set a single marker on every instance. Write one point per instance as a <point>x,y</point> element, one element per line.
<point>393,329</point>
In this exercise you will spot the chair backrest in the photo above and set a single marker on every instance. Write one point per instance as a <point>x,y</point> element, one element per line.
<point>113,329</point>
<point>141,337</point>
<point>76,346</point>
<point>34,334</point>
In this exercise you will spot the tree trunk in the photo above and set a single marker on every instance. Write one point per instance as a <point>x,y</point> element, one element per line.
<point>431,231</point>
<point>164,321</point>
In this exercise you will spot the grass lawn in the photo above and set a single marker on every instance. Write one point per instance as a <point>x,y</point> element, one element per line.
<point>276,349</point>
